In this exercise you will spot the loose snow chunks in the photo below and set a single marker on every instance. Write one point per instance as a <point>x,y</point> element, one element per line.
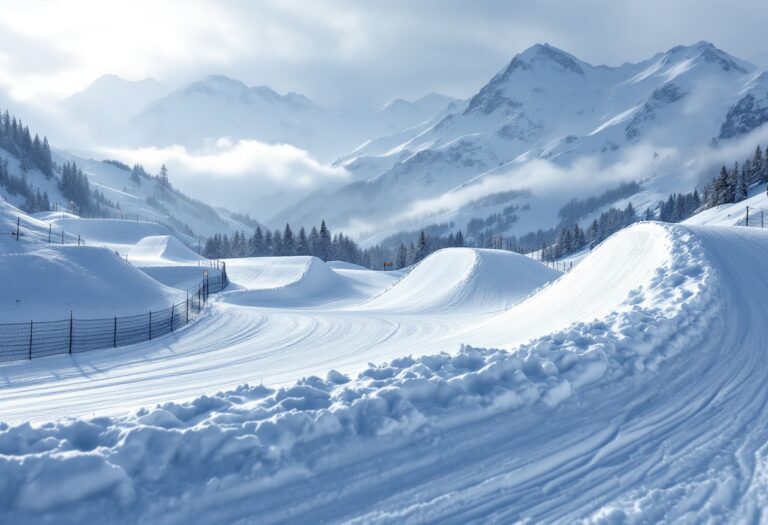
<point>284,281</point>
<point>48,283</point>
<point>465,280</point>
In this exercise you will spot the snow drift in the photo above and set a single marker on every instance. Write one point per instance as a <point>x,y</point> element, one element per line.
<point>462,280</point>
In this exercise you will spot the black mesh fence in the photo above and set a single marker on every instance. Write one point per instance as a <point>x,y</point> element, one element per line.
<point>39,339</point>
<point>753,217</point>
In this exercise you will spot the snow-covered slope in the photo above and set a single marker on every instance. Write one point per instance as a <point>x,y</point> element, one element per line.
<point>642,365</point>
<point>119,235</point>
<point>149,200</point>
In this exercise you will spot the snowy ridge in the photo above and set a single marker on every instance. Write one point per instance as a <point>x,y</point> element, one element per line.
<point>223,457</point>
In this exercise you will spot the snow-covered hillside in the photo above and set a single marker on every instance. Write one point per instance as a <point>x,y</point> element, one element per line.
<point>637,365</point>
<point>646,121</point>
<point>121,194</point>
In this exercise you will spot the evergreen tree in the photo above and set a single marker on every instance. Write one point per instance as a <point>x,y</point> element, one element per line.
<point>422,248</point>
<point>289,247</point>
<point>269,246</point>
<point>402,257</point>
<point>164,176</point>
<point>302,244</point>
<point>257,243</point>
<point>325,242</point>
<point>742,185</point>
<point>758,172</point>
<point>459,239</point>
<point>720,191</point>
<point>314,242</point>
<point>277,243</point>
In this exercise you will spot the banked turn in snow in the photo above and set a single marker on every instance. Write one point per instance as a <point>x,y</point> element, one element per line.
<point>647,409</point>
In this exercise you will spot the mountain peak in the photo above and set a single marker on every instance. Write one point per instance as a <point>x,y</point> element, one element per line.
<point>539,54</point>
<point>110,81</point>
<point>707,53</point>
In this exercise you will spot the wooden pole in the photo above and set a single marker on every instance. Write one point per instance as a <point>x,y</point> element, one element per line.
<point>70,331</point>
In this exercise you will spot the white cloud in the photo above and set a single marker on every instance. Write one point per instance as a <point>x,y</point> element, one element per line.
<point>247,174</point>
<point>337,51</point>
<point>585,177</point>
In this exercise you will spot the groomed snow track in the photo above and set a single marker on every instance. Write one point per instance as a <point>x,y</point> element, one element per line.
<point>634,392</point>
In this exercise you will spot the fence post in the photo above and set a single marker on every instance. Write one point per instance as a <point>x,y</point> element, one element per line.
<point>78,239</point>
<point>199,297</point>
<point>62,236</point>
<point>150,325</point>
<point>30,339</point>
<point>18,224</point>
<point>49,233</point>
<point>187,308</point>
<point>173,310</point>
<point>114,335</point>
<point>70,331</point>
<point>746,221</point>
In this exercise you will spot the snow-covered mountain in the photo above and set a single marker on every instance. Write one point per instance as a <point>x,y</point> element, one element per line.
<point>219,106</point>
<point>548,104</point>
<point>109,101</point>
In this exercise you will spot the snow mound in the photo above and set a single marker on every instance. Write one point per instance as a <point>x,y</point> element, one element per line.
<point>464,280</point>
<point>283,281</point>
<point>92,282</point>
<point>161,250</point>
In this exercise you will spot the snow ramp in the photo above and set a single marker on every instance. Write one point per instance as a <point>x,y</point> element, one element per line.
<point>283,281</point>
<point>464,280</point>
<point>610,279</point>
<point>162,250</point>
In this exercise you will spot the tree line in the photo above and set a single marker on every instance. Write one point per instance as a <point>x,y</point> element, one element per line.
<point>733,185</point>
<point>320,242</point>
<point>32,152</point>
<point>34,199</point>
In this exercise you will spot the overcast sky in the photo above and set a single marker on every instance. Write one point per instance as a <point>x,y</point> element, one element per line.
<point>335,52</point>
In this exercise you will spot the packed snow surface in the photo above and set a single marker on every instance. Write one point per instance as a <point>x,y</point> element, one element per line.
<point>627,391</point>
